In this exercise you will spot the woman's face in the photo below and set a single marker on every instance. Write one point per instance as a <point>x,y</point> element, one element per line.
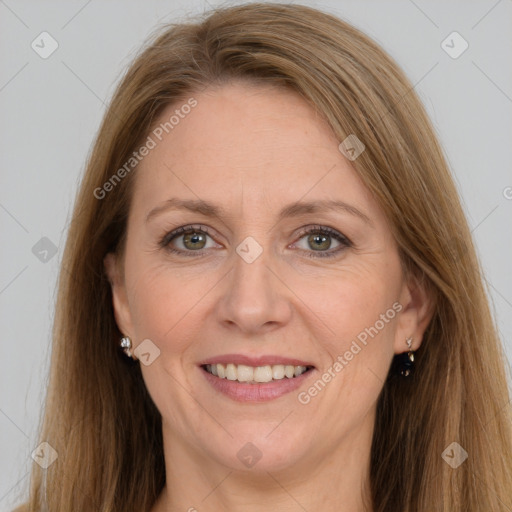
<point>253,244</point>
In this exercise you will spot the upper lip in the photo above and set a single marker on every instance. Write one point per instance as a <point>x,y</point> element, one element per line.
<point>263,360</point>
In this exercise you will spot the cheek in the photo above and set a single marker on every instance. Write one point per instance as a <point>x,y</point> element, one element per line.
<point>157,299</point>
<point>349,299</point>
<point>361,312</point>
<point>357,310</point>
<point>167,305</point>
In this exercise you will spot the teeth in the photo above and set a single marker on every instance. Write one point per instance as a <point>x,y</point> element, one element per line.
<point>278,371</point>
<point>244,373</point>
<point>231,373</point>
<point>297,371</point>
<point>263,374</point>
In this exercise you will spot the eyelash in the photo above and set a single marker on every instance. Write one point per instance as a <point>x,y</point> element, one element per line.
<point>323,230</point>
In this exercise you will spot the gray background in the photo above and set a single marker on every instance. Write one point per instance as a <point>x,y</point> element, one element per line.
<point>51,109</point>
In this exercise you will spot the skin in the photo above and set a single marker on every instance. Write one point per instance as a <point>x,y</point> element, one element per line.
<point>252,150</point>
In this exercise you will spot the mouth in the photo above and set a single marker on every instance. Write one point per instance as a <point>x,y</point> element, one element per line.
<point>255,374</point>
<point>255,379</point>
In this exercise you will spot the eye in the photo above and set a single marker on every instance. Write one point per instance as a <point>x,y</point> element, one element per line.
<point>319,239</point>
<point>188,239</point>
<point>315,242</point>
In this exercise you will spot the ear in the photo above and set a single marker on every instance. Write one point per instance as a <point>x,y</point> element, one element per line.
<point>119,296</point>
<point>418,303</point>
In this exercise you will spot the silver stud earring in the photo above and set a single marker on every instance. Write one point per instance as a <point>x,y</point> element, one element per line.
<point>126,345</point>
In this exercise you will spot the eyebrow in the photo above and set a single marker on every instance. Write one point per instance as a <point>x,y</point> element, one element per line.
<point>291,210</point>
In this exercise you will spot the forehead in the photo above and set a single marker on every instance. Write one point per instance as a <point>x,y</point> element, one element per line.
<point>264,143</point>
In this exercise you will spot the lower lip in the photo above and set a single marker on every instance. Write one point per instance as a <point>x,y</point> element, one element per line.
<point>262,392</point>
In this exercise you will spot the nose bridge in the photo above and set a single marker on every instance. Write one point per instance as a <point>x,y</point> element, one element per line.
<point>250,272</point>
<point>253,296</point>
<point>250,283</point>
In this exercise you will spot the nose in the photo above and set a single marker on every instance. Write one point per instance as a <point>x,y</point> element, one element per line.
<point>254,298</point>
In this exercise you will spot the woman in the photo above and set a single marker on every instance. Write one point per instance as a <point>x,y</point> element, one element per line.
<point>270,294</point>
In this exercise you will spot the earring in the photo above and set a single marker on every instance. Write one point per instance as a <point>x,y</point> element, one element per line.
<point>404,362</point>
<point>126,345</point>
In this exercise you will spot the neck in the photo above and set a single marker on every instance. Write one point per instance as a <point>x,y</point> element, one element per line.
<point>332,481</point>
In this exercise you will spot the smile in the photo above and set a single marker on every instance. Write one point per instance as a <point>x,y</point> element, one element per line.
<point>255,374</point>
<point>253,380</point>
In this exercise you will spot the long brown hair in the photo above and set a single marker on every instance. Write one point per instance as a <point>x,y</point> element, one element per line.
<point>99,417</point>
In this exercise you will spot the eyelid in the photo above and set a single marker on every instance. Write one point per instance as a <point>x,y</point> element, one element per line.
<point>324,229</point>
